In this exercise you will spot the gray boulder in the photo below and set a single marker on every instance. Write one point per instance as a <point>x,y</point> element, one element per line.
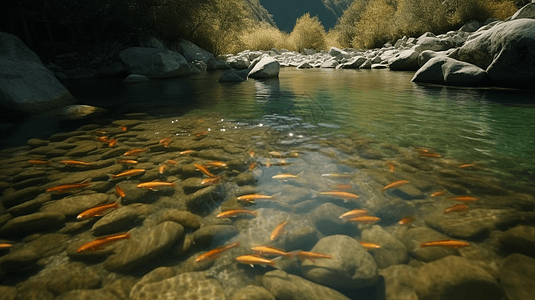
<point>517,277</point>
<point>153,62</point>
<point>505,51</point>
<point>434,43</point>
<point>526,12</point>
<point>26,85</point>
<point>135,78</point>
<point>353,63</point>
<point>406,60</point>
<point>445,70</point>
<point>238,62</point>
<point>192,52</point>
<point>267,67</point>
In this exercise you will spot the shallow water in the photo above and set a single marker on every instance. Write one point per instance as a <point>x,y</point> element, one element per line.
<point>328,127</point>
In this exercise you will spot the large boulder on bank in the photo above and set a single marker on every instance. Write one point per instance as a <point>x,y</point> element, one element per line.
<point>192,52</point>
<point>445,70</point>
<point>267,67</point>
<point>406,60</point>
<point>26,85</point>
<point>526,12</point>
<point>154,62</point>
<point>506,51</point>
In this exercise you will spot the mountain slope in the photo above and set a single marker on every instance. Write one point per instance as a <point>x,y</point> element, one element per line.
<point>259,12</point>
<point>285,12</point>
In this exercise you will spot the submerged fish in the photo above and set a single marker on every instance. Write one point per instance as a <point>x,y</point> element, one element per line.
<point>75,163</point>
<point>430,154</point>
<point>127,161</point>
<point>96,211</point>
<point>129,173</point>
<point>343,186</point>
<point>255,260</point>
<point>365,219</point>
<point>154,185</point>
<point>406,220</point>
<point>456,208</point>
<point>123,128</point>
<point>100,243</point>
<point>120,191</point>
<point>162,168</point>
<point>165,142</point>
<point>251,153</point>
<point>303,255</point>
<point>354,213</point>
<point>211,181</point>
<point>112,143</point>
<point>446,244</point>
<point>369,246</point>
<point>437,194</point>
<point>171,162</point>
<point>202,133</point>
<point>69,187</point>
<point>467,166</point>
<point>464,198</point>
<point>394,184</point>
<point>338,175</point>
<point>392,167</point>
<point>134,152</point>
<point>277,164</point>
<point>216,252</point>
<point>275,153</point>
<point>285,176</point>
<point>268,250</point>
<point>204,170</point>
<point>186,152</point>
<point>278,230</point>
<point>36,162</point>
<point>343,195</point>
<point>251,197</point>
<point>216,164</point>
<point>103,139</point>
<point>236,212</point>
<point>5,246</point>
<point>252,166</point>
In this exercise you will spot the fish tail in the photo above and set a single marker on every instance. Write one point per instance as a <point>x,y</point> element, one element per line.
<point>276,195</point>
<point>275,263</point>
<point>111,177</point>
<point>255,213</point>
<point>300,173</point>
<point>293,254</point>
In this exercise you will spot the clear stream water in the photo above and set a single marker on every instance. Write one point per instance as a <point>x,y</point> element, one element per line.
<point>338,121</point>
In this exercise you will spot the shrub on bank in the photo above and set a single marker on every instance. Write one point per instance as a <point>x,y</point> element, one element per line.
<point>308,33</point>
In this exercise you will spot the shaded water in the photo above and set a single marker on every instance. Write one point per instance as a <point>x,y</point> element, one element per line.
<point>329,127</point>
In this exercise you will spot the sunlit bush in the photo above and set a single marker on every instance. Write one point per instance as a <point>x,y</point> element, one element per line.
<point>501,9</point>
<point>263,37</point>
<point>375,26</point>
<point>308,33</point>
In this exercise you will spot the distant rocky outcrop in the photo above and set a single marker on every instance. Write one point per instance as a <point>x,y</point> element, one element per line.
<point>26,85</point>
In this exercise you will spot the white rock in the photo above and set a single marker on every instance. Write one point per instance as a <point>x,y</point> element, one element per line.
<point>267,67</point>
<point>407,60</point>
<point>445,70</point>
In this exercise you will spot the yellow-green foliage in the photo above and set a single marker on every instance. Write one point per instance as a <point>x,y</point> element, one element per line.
<point>371,23</point>
<point>308,33</point>
<point>262,37</point>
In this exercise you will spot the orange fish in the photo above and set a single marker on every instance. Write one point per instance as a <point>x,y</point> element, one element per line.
<point>343,186</point>
<point>216,252</point>
<point>5,246</point>
<point>277,164</point>
<point>338,175</point>
<point>236,212</point>
<point>464,198</point>
<point>430,154</point>
<point>187,152</point>
<point>162,168</point>
<point>285,176</point>
<point>365,219</point>
<point>216,164</point>
<point>267,250</point>
<point>134,152</point>
<point>456,208</point>
<point>255,260</point>
<point>251,153</point>
<point>437,194</point>
<point>165,142</point>
<point>395,183</point>
<point>466,166</point>
<point>153,185</point>
<point>127,161</point>
<point>100,132</point>
<point>123,128</point>
<point>103,139</point>
<point>96,211</point>
<point>278,230</point>
<point>204,170</point>
<point>211,181</point>
<point>171,162</point>
<point>69,187</point>
<point>252,166</point>
<point>302,255</point>
<point>199,134</point>
<point>294,154</point>
<point>129,173</point>
<point>406,220</point>
<point>392,167</point>
<point>344,195</point>
<point>251,197</point>
<point>112,143</point>
<point>100,243</point>
<point>275,153</point>
<point>75,163</point>
<point>38,162</point>
<point>354,213</point>
<point>120,191</point>
<point>369,246</point>
<point>446,244</point>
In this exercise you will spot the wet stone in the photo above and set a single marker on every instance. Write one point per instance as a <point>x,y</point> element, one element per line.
<point>454,277</point>
<point>8,292</point>
<point>245,178</point>
<point>392,251</point>
<point>20,196</point>
<point>121,287</point>
<point>181,217</point>
<point>41,294</point>
<point>291,287</point>
<point>155,275</point>
<point>34,143</point>
<point>82,149</point>
<point>517,277</point>
<point>18,261</point>
<point>415,236</point>
<point>300,237</point>
<point>407,192</point>
<point>399,282</point>
<point>116,221</point>
<point>192,184</point>
<point>74,205</point>
<point>213,154</point>
<point>60,136</point>
<point>101,186</point>
<point>31,173</point>
<point>144,246</point>
<point>521,202</point>
<point>48,244</point>
<point>193,285</point>
<point>206,199</point>
<point>253,293</point>
<point>48,151</point>
<point>327,220</point>
<point>12,171</point>
<point>520,239</point>
<point>87,295</point>
<point>475,223</point>
<point>36,222</point>
<point>95,175</point>
<point>114,152</point>
<point>30,206</point>
<point>214,234</point>
<point>29,183</point>
<point>70,276</point>
<point>351,266</point>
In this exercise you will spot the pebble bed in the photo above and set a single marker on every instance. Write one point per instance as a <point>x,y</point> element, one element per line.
<point>170,227</point>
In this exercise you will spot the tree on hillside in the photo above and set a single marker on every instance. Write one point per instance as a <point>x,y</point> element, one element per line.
<point>308,33</point>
